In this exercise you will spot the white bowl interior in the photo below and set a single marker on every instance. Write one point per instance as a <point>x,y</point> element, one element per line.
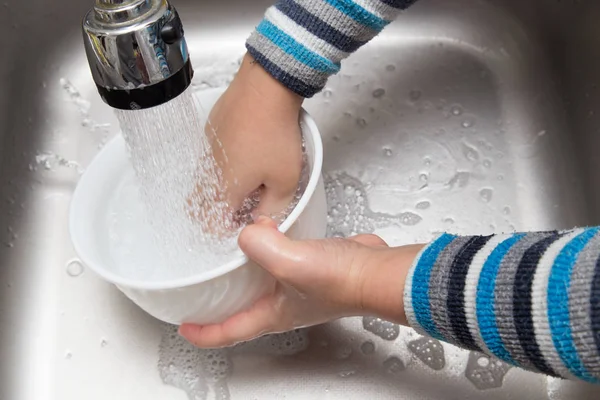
<point>111,170</point>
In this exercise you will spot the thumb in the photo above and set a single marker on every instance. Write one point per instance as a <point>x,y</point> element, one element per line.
<point>271,249</point>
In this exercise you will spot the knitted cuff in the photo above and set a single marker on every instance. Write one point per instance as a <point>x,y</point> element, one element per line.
<point>302,42</point>
<point>527,299</point>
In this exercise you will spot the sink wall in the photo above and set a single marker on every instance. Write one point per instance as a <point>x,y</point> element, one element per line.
<point>488,123</point>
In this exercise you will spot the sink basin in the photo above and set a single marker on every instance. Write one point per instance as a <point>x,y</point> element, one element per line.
<point>469,116</point>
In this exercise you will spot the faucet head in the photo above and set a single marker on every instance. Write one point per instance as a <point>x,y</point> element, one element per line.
<point>137,52</point>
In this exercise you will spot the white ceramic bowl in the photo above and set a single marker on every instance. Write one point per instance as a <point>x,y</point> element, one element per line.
<point>208,297</point>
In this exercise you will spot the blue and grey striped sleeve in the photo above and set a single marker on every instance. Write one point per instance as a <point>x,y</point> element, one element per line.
<point>302,42</point>
<point>530,299</point>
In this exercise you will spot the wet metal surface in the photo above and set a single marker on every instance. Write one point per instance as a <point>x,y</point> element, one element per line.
<point>469,116</point>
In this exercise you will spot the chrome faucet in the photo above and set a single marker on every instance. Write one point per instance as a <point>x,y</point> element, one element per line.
<point>137,52</point>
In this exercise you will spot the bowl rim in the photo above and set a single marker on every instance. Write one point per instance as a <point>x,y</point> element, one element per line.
<point>317,165</point>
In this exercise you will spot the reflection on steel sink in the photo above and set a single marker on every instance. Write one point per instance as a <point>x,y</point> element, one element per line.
<point>473,116</point>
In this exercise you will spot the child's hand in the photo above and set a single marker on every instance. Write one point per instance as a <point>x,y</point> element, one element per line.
<point>256,139</point>
<point>318,281</point>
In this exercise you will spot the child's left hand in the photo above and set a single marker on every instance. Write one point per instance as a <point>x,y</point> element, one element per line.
<point>318,281</point>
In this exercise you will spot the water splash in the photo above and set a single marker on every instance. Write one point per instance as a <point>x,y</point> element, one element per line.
<point>456,110</point>
<point>467,123</point>
<point>486,194</point>
<point>204,373</point>
<point>460,180</point>
<point>51,161</point>
<point>74,268</point>
<point>378,93</point>
<point>393,365</point>
<point>384,329</point>
<point>349,211</point>
<point>423,205</point>
<point>82,105</point>
<point>367,348</point>
<point>470,152</point>
<point>196,371</point>
<point>429,351</point>
<point>485,372</point>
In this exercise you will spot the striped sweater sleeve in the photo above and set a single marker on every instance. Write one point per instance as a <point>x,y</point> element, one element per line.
<point>302,42</point>
<point>530,299</point>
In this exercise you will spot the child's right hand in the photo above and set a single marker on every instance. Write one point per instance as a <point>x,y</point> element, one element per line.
<point>256,123</point>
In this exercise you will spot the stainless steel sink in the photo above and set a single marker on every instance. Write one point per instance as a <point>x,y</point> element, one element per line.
<point>472,116</point>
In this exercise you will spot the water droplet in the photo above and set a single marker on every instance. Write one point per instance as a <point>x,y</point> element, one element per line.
<point>487,163</point>
<point>427,161</point>
<point>390,68</point>
<point>456,110</point>
<point>103,343</point>
<point>429,351</point>
<point>343,352</point>
<point>74,268</point>
<point>378,93</point>
<point>414,95</point>
<point>467,123</point>
<point>327,93</point>
<point>347,373</point>
<point>470,152</point>
<point>410,219</point>
<point>485,373</point>
<point>486,195</point>
<point>500,177</point>
<point>381,328</point>
<point>367,348</point>
<point>388,152</point>
<point>393,365</point>
<point>361,122</point>
<point>424,177</point>
<point>68,355</point>
<point>506,210</point>
<point>449,220</point>
<point>423,205</point>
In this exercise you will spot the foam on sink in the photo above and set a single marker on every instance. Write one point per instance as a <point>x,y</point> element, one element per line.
<point>349,212</point>
<point>201,373</point>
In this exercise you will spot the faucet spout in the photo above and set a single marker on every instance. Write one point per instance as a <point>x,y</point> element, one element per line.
<point>137,52</point>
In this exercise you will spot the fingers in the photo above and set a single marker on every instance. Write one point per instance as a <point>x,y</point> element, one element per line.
<point>259,320</point>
